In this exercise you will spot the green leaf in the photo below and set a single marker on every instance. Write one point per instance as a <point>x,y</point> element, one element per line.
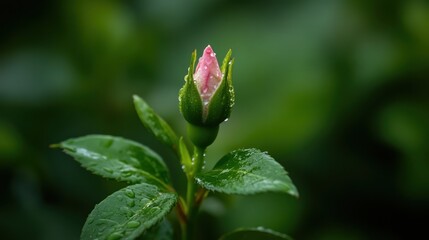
<point>127,213</point>
<point>117,158</point>
<point>247,171</point>
<point>255,234</point>
<point>162,231</point>
<point>154,123</point>
<point>185,158</point>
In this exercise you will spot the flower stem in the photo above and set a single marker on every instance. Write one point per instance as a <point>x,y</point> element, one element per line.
<point>198,162</point>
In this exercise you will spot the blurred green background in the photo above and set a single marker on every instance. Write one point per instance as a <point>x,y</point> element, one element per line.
<point>336,91</point>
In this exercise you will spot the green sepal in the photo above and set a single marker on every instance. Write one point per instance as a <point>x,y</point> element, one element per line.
<point>190,103</point>
<point>220,104</point>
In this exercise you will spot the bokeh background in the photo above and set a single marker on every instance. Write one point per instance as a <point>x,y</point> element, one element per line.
<point>336,91</point>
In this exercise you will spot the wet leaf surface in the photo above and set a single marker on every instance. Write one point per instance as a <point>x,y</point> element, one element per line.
<point>247,171</point>
<point>127,213</point>
<point>117,158</point>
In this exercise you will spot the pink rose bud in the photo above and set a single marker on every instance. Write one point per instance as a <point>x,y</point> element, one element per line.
<point>207,97</point>
<point>207,75</point>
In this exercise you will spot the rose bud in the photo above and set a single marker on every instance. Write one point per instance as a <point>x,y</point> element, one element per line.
<point>207,97</point>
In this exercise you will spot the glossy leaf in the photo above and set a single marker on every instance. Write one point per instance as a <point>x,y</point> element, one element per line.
<point>127,213</point>
<point>255,234</point>
<point>154,123</point>
<point>117,158</point>
<point>247,171</point>
<point>162,231</point>
<point>185,158</point>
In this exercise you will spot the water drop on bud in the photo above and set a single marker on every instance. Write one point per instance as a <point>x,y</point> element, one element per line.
<point>208,95</point>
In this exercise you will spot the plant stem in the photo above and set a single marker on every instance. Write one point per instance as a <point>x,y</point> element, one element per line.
<point>181,214</point>
<point>198,162</point>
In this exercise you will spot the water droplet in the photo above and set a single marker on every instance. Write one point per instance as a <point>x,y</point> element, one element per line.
<point>109,170</point>
<point>126,172</point>
<point>108,143</point>
<point>125,209</point>
<point>131,203</point>
<point>133,224</point>
<point>134,160</point>
<point>115,236</point>
<point>226,120</point>
<point>156,209</point>
<point>212,54</point>
<point>130,193</point>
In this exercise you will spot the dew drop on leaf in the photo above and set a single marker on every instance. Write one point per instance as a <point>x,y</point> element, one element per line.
<point>109,170</point>
<point>133,224</point>
<point>134,161</point>
<point>130,193</point>
<point>125,209</point>
<point>131,203</point>
<point>126,172</point>
<point>115,236</point>
<point>108,143</point>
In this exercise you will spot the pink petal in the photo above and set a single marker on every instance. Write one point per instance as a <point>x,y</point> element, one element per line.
<point>207,74</point>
